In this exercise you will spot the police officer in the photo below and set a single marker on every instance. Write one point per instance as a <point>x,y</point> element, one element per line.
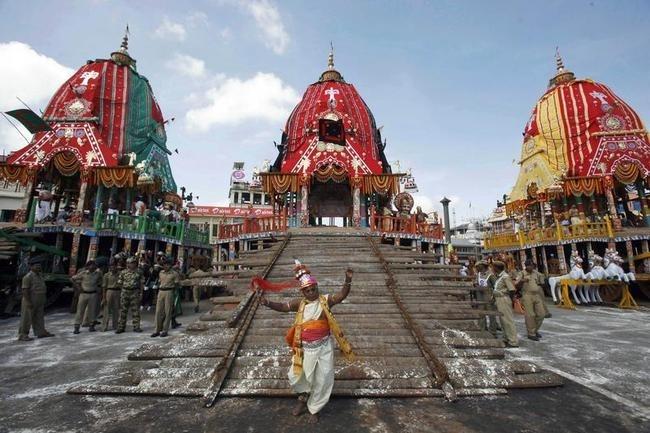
<point>89,279</point>
<point>110,296</point>
<point>32,309</point>
<point>485,280</point>
<point>169,280</point>
<point>531,281</point>
<point>503,288</point>
<point>130,281</point>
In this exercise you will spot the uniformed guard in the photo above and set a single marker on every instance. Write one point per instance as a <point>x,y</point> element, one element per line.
<point>485,280</point>
<point>110,297</point>
<point>89,280</point>
<point>503,288</point>
<point>531,281</point>
<point>130,281</point>
<point>169,281</point>
<point>32,309</point>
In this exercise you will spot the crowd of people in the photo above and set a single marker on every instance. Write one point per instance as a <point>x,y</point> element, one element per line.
<point>47,205</point>
<point>124,287</point>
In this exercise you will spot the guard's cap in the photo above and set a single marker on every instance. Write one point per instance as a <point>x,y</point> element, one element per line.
<point>36,260</point>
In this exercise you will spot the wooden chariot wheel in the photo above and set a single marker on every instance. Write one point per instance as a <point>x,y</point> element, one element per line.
<point>611,293</point>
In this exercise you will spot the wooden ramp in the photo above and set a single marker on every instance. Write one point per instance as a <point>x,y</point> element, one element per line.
<point>410,322</point>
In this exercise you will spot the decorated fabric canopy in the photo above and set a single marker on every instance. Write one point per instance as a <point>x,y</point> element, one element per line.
<point>152,164</point>
<point>104,118</point>
<point>581,131</point>
<point>331,133</point>
<point>280,183</point>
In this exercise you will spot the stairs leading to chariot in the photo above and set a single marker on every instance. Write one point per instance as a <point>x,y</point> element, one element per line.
<point>409,320</point>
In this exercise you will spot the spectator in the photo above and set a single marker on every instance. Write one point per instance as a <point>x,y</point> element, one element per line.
<point>140,206</point>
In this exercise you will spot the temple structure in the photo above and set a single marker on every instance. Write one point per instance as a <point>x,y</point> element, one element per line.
<point>100,148</point>
<point>583,181</point>
<point>330,168</point>
<point>331,160</point>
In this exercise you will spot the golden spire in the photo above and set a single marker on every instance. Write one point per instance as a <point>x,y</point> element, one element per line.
<point>121,56</point>
<point>562,75</point>
<point>330,73</point>
<point>330,58</point>
<point>125,39</point>
<point>558,60</point>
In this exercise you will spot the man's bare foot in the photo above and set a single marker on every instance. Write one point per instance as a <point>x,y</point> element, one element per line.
<point>300,407</point>
<point>313,418</point>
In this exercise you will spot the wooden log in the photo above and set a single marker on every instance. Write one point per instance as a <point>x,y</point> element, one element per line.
<point>536,380</point>
<point>217,300</point>
<point>379,384</point>
<point>232,391</point>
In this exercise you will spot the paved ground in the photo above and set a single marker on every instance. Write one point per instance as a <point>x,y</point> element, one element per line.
<point>604,349</point>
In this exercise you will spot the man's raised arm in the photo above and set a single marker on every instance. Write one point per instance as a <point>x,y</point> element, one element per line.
<point>345,290</point>
<point>283,307</point>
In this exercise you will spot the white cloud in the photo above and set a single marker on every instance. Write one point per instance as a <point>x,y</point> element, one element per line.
<point>226,34</point>
<point>234,101</point>
<point>186,65</point>
<point>170,30</point>
<point>268,20</point>
<point>31,76</point>
<point>197,18</point>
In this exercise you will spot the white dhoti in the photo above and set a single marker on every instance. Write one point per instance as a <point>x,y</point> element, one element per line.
<point>317,377</point>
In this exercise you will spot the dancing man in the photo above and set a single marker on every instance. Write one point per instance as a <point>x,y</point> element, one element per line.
<point>311,374</point>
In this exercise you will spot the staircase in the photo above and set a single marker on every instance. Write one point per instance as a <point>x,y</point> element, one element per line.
<point>409,320</point>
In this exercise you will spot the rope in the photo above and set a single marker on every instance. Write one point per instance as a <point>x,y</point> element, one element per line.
<point>438,369</point>
<point>222,369</point>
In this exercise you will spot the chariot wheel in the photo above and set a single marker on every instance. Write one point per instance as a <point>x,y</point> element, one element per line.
<point>611,293</point>
<point>644,287</point>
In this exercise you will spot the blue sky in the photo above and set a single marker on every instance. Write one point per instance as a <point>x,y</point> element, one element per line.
<point>452,82</point>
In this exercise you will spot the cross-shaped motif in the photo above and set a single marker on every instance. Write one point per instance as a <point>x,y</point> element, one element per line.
<point>600,96</point>
<point>331,92</point>
<point>88,75</point>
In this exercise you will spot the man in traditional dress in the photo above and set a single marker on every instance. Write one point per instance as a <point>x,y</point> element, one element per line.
<point>311,374</point>
<point>531,281</point>
<point>89,280</point>
<point>503,288</point>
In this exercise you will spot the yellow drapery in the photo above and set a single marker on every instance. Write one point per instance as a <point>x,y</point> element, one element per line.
<point>67,163</point>
<point>119,177</point>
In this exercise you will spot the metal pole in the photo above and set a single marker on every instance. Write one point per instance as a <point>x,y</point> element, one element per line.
<point>445,207</point>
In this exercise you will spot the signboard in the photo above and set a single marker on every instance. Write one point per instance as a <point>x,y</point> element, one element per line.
<point>238,175</point>
<point>230,212</point>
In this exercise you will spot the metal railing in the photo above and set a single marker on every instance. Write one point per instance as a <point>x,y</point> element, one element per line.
<point>138,224</point>
<point>404,225</point>
<point>148,225</point>
<point>251,225</point>
<point>556,233</point>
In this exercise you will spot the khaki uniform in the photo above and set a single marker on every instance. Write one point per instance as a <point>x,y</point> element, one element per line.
<point>111,297</point>
<point>485,286</point>
<point>502,288</point>
<point>168,280</point>
<point>130,297</point>
<point>90,283</point>
<point>532,299</point>
<point>32,314</point>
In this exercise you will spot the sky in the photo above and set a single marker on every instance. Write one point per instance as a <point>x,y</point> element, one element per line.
<point>452,82</point>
